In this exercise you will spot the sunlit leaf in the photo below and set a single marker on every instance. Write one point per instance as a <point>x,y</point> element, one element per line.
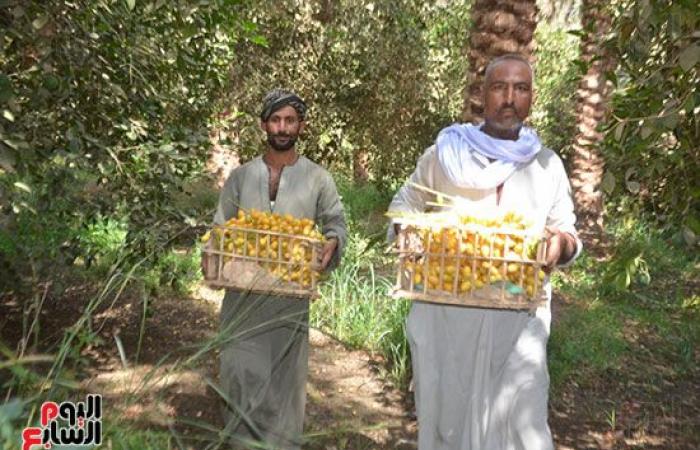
<point>645,277</point>
<point>39,22</point>
<point>22,186</point>
<point>190,221</point>
<point>622,280</point>
<point>7,114</point>
<point>14,144</point>
<point>608,183</point>
<point>619,130</point>
<point>633,187</point>
<point>259,40</point>
<point>131,4</point>
<point>249,26</point>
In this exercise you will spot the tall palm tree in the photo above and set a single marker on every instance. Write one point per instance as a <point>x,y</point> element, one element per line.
<point>500,27</point>
<point>587,163</point>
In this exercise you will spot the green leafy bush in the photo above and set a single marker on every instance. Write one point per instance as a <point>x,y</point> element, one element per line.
<point>651,150</point>
<point>654,265</point>
<point>177,270</point>
<point>103,240</point>
<point>381,78</point>
<point>104,108</point>
<point>556,78</point>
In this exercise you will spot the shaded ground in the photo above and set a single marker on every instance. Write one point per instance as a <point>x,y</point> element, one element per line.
<point>163,386</point>
<point>646,404</point>
<point>643,406</point>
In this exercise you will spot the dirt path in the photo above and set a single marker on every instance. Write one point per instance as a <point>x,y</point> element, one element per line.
<point>170,385</point>
<point>349,406</point>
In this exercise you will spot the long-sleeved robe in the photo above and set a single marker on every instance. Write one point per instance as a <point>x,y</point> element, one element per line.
<point>264,362</point>
<point>480,375</point>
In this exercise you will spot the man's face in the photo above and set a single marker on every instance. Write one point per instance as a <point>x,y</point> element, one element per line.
<point>507,98</point>
<point>283,128</point>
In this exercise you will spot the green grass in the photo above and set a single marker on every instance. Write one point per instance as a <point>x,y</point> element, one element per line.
<point>364,206</point>
<point>125,437</point>
<point>588,340</point>
<point>632,311</point>
<point>355,306</point>
<point>176,271</point>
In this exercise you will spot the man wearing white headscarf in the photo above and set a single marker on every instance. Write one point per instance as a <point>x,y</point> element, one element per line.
<point>480,375</point>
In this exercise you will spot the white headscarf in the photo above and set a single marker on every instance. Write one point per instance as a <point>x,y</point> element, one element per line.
<point>457,143</point>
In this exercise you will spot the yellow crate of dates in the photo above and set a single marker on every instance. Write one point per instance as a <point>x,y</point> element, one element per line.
<point>265,253</point>
<point>461,260</point>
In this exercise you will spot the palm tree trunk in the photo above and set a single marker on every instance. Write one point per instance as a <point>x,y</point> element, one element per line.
<point>587,163</point>
<point>500,27</point>
<point>222,158</point>
<point>360,166</point>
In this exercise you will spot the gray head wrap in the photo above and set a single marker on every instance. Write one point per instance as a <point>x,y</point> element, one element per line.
<point>279,98</point>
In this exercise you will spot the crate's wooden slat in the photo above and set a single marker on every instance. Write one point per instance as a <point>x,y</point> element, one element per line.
<point>448,299</point>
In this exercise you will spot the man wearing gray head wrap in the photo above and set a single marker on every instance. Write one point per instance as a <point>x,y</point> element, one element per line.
<point>264,362</point>
<point>277,98</point>
<point>275,104</point>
